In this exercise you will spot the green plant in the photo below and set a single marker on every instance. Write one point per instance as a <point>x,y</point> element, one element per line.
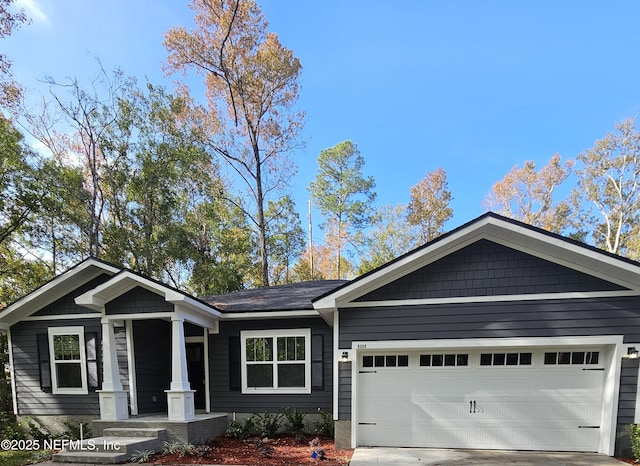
<point>38,433</point>
<point>325,426</point>
<point>187,449</point>
<point>268,423</point>
<point>10,428</point>
<point>243,429</point>
<point>169,448</point>
<point>635,441</point>
<point>74,429</point>
<point>295,419</point>
<point>141,456</point>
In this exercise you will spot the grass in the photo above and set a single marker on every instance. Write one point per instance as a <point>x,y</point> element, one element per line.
<point>18,458</point>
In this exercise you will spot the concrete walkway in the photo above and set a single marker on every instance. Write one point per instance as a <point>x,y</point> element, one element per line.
<point>427,456</point>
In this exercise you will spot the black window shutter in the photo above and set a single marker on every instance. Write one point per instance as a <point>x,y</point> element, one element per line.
<point>317,362</point>
<point>44,363</point>
<point>92,348</point>
<point>234,364</point>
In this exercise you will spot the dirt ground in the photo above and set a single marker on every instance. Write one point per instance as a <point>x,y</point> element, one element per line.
<point>279,451</point>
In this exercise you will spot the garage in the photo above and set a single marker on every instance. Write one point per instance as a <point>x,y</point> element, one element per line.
<point>491,398</point>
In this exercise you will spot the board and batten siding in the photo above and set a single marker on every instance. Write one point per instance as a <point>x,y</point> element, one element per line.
<point>32,400</point>
<point>225,399</point>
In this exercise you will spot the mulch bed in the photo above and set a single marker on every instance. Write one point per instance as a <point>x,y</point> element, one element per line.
<point>283,450</point>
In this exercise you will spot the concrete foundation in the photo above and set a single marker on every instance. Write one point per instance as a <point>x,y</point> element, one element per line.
<point>342,436</point>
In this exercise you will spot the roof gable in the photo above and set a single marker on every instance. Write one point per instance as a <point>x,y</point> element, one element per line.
<point>623,275</point>
<point>55,289</point>
<point>485,268</point>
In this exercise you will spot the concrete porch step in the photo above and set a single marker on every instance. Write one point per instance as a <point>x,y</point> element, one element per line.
<point>135,432</point>
<point>116,447</point>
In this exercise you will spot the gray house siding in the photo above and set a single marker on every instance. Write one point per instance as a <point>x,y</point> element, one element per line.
<point>487,269</point>
<point>546,318</point>
<point>138,301</point>
<point>628,387</point>
<point>225,399</point>
<point>32,400</point>
<point>66,304</point>
<point>152,340</point>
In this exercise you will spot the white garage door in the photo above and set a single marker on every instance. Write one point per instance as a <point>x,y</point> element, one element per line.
<point>492,399</point>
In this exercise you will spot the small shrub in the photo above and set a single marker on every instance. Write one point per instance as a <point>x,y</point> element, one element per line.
<point>186,449</point>
<point>268,423</point>
<point>10,428</point>
<point>141,456</point>
<point>242,430</point>
<point>169,448</point>
<point>201,450</point>
<point>635,441</point>
<point>325,426</point>
<point>74,429</point>
<point>295,419</point>
<point>38,433</point>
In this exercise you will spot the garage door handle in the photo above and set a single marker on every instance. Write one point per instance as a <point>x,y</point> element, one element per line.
<point>366,423</point>
<point>588,427</point>
<point>472,406</point>
<point>367,372</point>
<point>593,369</point>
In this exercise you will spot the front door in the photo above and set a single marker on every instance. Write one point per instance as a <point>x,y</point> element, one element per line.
<point>195,367</point>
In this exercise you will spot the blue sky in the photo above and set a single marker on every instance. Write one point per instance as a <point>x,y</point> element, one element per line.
<point>475,87</point>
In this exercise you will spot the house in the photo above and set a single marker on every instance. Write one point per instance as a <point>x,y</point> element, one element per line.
<point>496,335</point>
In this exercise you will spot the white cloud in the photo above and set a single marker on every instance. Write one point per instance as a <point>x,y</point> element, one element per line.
<point>33,10</point>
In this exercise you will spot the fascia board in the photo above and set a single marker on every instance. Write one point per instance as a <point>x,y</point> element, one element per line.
<point>53,290</point>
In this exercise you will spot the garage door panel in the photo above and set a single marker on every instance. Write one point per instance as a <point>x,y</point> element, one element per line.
<point>528,408</point>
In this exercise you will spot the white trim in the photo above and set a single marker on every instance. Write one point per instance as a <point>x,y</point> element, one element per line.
<point>138,316</point>
<point>269,315</point>
<point>336,364</point>
<point>12,374</point>
<point>521,238</point>
<point>207,394</point>
<point>612,377</point>
<point>93,315</point>
<point>131,365</point>
<point>489,342</point>
<point>55,331</point>
<point>275,334</point>
<point>491,299</point>
<point>54,289</point>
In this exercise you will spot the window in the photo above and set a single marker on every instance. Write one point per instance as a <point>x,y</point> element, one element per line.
<point>505,359</point>
<point>390,360</point>
<point>571,358</point>
<point>68,360</point>
<point>276,361</point>
<point>438,360</point>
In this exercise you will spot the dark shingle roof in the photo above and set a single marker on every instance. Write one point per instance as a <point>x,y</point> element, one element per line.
<point>295,296</point>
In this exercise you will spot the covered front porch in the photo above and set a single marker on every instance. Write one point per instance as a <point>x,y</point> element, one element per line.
<point>145,345</point>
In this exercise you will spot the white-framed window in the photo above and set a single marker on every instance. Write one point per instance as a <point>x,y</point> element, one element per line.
<point>68,360</point>
<point>276,361</point>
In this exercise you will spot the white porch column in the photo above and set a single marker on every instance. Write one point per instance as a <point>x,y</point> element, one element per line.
<point>180,397</point>
<point>113,399</point>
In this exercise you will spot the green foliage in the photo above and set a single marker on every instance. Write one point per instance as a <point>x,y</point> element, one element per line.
<point>37,433</point>
<point>295,419</point>
<point>73,430</point>
<point>635,441</point>
<point>141,456</point>
<point>268,424</point>
<point>242,429</point>
<point>326,425</point>
<point>20,458</point>
<point>10,428</point>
